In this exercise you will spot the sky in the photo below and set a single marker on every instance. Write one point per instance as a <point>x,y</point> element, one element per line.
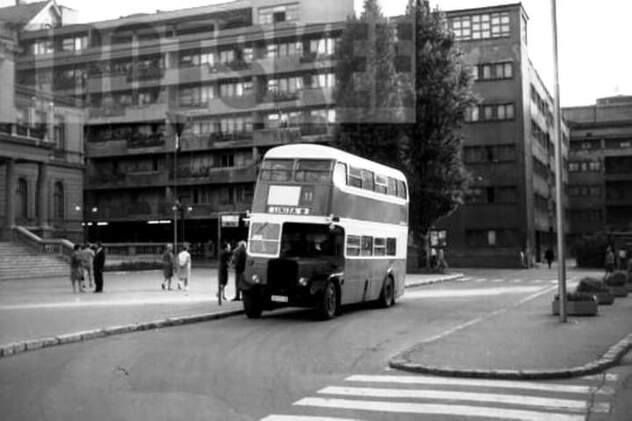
<point>592,37</point>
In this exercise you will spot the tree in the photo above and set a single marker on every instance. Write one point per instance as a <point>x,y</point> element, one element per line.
<point>368,94</point>
<point>432,148</point>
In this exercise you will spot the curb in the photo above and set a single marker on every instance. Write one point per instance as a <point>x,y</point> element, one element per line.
<point>610,359</point>
<point>443,278</point>
<point>70,338</point>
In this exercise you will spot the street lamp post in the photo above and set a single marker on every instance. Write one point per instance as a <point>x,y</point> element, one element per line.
<point>178,123</point>
<point>559,196</point>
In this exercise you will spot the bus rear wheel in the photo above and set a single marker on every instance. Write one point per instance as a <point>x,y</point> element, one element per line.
<point>252,304</point>
<point>329,302</point>
<point>387,296</point>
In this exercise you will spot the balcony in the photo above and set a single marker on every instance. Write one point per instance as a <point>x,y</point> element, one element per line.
<point>214,175</point>
<point>205,73</point>
<point>277,136</point>
<point>140,73</point>
<point>216,140</point>
<point>119,113</point>
<point>280,96</point>
<point>129,180</point>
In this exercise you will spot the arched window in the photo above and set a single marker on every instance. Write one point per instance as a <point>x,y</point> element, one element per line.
<point>21,199</point>
<point>58,201</point>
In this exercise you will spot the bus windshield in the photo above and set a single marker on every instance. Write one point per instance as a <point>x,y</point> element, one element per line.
<point>264,238</point>
<point>311,240</point>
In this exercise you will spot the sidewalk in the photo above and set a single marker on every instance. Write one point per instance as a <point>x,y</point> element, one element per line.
<point>43,312</point>
<point>525,341</point>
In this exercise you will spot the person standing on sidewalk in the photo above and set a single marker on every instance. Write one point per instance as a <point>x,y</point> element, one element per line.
<point>76,269</point>
<point>87,258</point>
<point>222,272</point>
<point>239,261</point>
<point>549,256</point>
<point>184,267</point>
<point>168,263</point>
<point>98,267</point>
<point>609,262</point>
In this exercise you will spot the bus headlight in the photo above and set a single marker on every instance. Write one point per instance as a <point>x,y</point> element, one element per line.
<point>303,282</point>
<point>255,279</point>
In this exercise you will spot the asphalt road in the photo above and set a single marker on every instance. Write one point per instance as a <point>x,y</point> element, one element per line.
<point>287,366</point>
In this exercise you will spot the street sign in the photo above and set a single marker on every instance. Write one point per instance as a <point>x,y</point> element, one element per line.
<point>230,221</point>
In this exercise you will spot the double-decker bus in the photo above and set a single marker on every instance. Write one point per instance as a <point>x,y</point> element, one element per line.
<point>327,229</point>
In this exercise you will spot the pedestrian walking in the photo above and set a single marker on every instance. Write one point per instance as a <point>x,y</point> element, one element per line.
<point>76,269</point>
<point>184,267</point>
<point>87,259</point>
<point>609,262</point>
<point>98,267</point>
<point>549,256</point>
<point>168,260</point>
<point>442,264</point>
<point>222,275</point>
<point>239,262</point>
<point>623,258</point>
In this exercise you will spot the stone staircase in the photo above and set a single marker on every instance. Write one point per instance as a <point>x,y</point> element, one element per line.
<point>18,261</point>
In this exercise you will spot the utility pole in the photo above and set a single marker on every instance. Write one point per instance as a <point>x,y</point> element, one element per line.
<point>177,123</point>
<point>559,181</point>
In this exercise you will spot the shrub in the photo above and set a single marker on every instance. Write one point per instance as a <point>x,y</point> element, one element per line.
<point>577,296</point>
<point>591,286</point>
<point>617,279</point>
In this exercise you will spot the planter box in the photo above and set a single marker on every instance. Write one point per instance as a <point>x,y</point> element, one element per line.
<point>577,308</point>
<point>605,298</point>
<point>619,291</point>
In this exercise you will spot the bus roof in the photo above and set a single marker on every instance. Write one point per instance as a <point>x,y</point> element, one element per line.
<point>311,151</point>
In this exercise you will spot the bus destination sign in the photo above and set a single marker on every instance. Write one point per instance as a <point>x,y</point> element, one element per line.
<point>288,210</point>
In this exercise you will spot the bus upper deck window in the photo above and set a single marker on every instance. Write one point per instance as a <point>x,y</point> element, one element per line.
<point>380,184</point>
<point>355,177</point>
<point>340,174</point>
<point>277,170</point>
<point>313,171</point>
<point>401,189</point>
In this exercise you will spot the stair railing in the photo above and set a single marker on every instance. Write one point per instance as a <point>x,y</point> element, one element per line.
<point>56,246</point>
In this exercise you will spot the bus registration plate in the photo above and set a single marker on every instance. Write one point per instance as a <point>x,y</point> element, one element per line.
<point>279,298</point>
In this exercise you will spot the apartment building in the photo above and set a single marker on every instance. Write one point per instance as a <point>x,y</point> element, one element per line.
<point>242,76</point>
<point>600,164</point>
<point>509,145</point>
<point>41,140</point>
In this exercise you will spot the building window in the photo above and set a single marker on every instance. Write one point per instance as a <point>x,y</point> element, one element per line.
<point>323,46</point>
<point>227,161</point>
<point>494,71</point>
<point>58,201</point>
<point>277,14</point>
<point>491,112</point>
<point>481,26</point>
<point>21,199</point>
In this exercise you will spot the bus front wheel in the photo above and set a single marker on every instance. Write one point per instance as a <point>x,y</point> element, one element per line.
<point>329,302</point>
<point>387,296</point>
<point>252,304</point>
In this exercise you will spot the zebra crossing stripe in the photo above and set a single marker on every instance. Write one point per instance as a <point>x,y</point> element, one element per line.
<point>436,409</point>
<point>304,418</point>
<point>503,384</point>
<point>516,281</point>
<point>480,280</point>
<point>496,281</point>
<point>548,403</point>
<point>466,278</point>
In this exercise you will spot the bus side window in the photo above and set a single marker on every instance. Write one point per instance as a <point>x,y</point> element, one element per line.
<point>367,180</point>
<point>391,189</point>
<point>355,177</point>
<point>367,246</point>
<point>340,174</point>
<point>391,246</point>
<point>380,184</point>
<point>401,189</point>
<point>353,245</point>
<point>379,247</point>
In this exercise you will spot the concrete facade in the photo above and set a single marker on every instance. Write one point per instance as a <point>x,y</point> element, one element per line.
<point>600,160</point>
<point>509,146</point>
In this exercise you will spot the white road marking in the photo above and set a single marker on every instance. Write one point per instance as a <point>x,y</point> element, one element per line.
<point>175,300</point>
<point>466,278</point>
<point>537,281</point>
<point>304,418</point>
<point>516,281</point>
<point>497,281</point>
<point>418,408</point>
<point>454,293</point>
<point>523,400</point>
<point>503,384</point>
<point>610,377</point>
<point>480,280</point>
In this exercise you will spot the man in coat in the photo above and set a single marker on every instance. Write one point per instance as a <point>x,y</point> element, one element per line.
<point>98,265</point>
<point>239,261</point>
